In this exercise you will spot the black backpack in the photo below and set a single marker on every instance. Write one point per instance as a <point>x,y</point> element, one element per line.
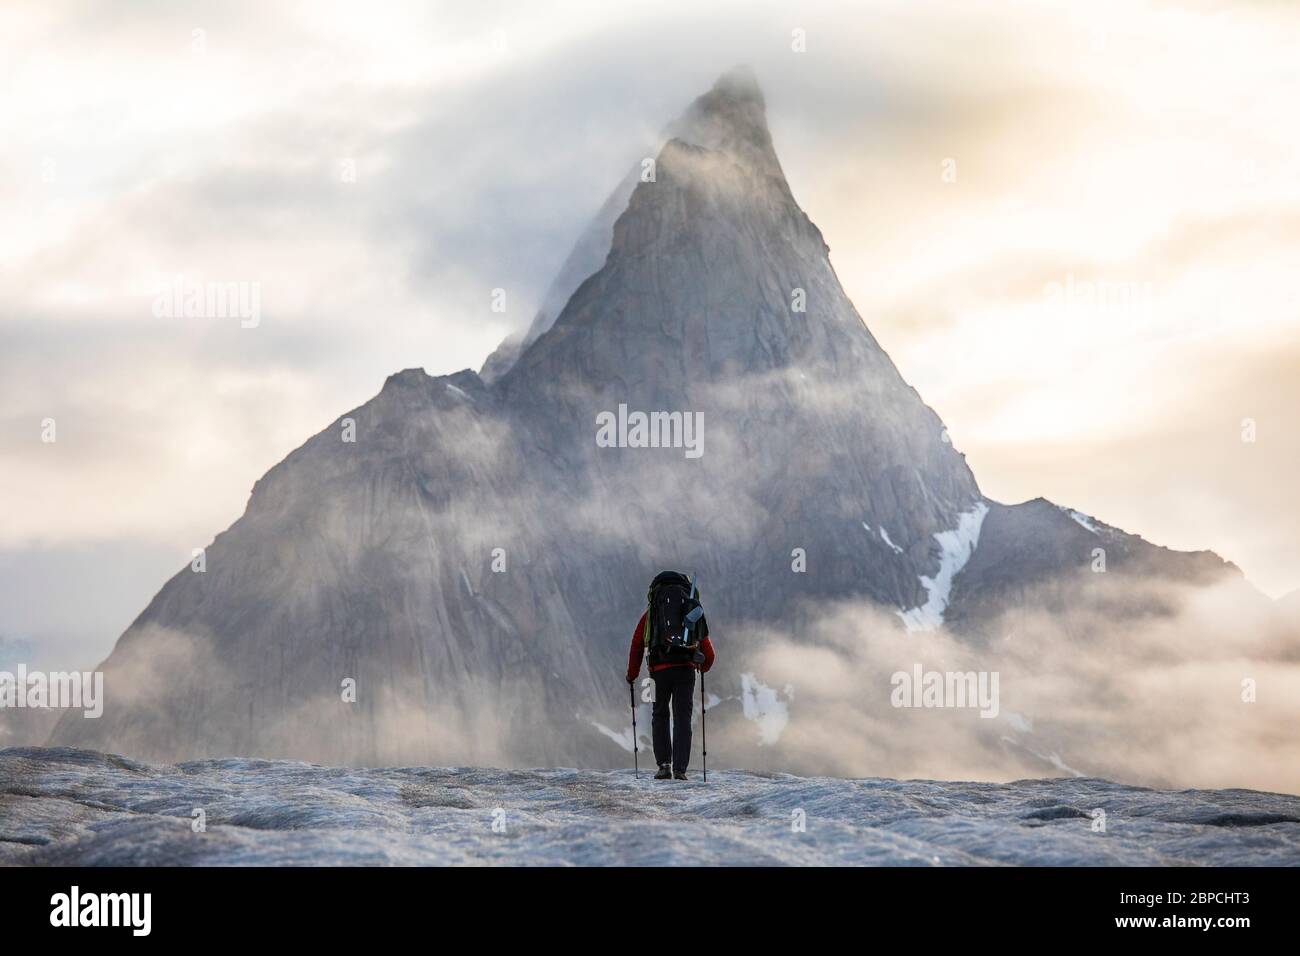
<point>674,620</point>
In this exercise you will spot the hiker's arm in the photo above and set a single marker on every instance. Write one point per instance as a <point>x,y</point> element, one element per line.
<point>706,646</point>
<point>636,651</point>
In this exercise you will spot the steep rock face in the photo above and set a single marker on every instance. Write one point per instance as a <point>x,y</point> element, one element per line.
<point>718,299</point>
<point>470,567</point>
<point>356,561</point>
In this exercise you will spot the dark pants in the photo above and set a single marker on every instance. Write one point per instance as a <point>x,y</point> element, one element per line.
<point>674,687</point>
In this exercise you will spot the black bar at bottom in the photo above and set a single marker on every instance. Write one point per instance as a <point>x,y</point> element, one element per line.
<point>304,906</point>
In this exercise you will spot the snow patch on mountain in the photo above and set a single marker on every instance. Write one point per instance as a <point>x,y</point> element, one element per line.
<point>765,707</point>
<point>956,547</point>
<point>1081,519</point>
<point>621,737</point>
<point>1019,721</point>
<point>1052,758</point>
<point>884,536</point>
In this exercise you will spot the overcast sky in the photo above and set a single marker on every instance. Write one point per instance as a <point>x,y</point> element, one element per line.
<point>377,169</point>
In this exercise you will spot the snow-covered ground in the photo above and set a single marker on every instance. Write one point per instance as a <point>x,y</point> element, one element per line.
<point>62,806</point>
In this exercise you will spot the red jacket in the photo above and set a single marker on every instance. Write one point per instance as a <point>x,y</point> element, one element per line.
<point>637,651</point>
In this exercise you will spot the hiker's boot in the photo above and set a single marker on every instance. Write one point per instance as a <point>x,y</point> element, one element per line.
<point>665,772</point>
<point>679,774</point>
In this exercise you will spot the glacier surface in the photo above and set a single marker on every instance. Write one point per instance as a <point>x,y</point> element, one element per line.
<point>63,806</point>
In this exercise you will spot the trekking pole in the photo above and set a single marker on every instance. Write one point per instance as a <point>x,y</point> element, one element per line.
<point>631,699</point>
<point>704,729</point>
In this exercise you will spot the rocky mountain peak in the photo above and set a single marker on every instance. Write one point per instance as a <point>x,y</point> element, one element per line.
<point>472,557</point>
<point>732,118</point>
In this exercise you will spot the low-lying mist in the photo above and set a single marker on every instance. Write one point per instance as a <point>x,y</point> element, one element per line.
<point>1200,694</point>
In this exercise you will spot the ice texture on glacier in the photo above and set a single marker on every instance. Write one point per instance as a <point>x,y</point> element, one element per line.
<point>62,806</point>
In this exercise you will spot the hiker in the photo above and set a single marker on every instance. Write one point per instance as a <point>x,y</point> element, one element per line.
<point>678,644</point>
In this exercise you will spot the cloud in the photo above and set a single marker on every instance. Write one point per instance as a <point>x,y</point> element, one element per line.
<point>1158,700</point>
